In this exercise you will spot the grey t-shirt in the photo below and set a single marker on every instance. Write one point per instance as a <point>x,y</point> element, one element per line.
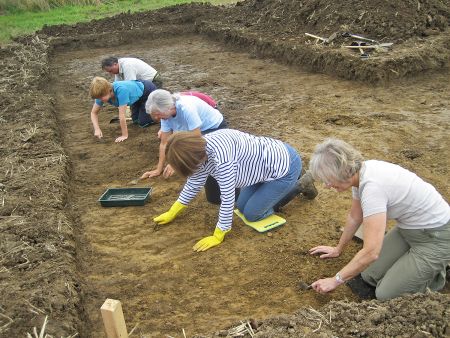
<point>405,197</point>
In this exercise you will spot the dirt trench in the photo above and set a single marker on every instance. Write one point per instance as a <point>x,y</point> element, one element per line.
<point>61,254</point>
<point>166,287</point>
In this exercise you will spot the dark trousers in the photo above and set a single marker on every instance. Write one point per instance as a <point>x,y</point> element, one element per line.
<point>138,113</point>
<point>158,81</point>
<point>222,125</point>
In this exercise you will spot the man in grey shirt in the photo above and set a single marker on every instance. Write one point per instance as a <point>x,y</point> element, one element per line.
<point>131,69</point>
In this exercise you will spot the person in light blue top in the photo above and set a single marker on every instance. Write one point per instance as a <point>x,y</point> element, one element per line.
<point>190,113</point>
<point>121,94</point>
<point>179,112</point>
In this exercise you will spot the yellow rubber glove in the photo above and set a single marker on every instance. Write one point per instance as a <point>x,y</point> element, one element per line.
<point>210,241</point>
<point>170,215</point>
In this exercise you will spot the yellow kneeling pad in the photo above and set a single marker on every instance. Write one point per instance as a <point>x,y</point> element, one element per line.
<point>263,225</point>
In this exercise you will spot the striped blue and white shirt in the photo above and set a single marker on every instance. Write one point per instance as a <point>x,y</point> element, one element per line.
<point>236,159</point>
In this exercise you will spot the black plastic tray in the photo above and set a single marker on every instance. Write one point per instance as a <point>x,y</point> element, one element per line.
<point>123,197</point>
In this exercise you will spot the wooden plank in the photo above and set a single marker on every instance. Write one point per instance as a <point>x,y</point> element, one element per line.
<point>113,319</point>
<point>384,45</point>
<point>315,36</point>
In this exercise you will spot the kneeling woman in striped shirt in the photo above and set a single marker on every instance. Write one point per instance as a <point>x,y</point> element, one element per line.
<point>266,169</point>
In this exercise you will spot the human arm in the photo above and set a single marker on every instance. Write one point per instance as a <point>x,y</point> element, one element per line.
<point>168,170</point>
<point>354,220</point>
<point>162,157</point>
<point>190,190</point>
<point>210,241</point>
<point>374,229</point>
<point>225,176</point>
<point>94,118</point>
<point>170,215</point>
<point>123,124</point>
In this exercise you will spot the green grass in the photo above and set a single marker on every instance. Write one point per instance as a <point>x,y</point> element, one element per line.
<point>41,5</point>
<point>17,22</point>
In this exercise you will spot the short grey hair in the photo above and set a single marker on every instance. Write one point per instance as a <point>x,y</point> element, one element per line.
<point>159,100</point>
<point>109,62</point>
<point>335,159</point>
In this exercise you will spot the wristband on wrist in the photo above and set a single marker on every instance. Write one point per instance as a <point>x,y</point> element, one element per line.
<point>339,279</point>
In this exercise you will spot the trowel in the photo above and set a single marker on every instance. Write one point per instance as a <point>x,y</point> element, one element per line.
<point>304,286</point>
<point>135,181</point>
<point>117,119</point>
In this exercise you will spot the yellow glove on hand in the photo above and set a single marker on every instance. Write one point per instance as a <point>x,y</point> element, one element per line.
<point>170,215</point>
<point>210,241</point>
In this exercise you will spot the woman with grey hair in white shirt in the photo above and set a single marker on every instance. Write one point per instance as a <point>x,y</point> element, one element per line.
<point>414,254</point>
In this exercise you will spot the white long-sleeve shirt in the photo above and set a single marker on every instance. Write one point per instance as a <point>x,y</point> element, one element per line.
<point>236,159</point>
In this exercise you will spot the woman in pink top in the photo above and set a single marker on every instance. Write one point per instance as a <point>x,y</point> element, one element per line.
<point>208,99</point>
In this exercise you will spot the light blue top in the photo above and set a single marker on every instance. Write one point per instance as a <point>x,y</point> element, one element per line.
<point>125,92</point>
<point>192,113</point>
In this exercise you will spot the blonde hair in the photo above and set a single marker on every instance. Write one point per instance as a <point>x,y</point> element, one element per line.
<point>335,159</point>
<point>99,87</point>
<point>185,152</point>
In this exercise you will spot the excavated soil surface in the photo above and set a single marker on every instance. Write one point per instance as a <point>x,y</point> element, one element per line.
<point>276,29</point>
<point>62,254</point>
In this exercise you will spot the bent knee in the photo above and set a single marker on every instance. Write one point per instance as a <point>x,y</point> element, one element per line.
<point>251,216</point>
<point>387,293</point>
<point>382,294</point>
<point>367,277</point>
<point>240,206</point>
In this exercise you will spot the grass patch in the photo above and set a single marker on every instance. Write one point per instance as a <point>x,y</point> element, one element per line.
<point>10,6</point>
<point>17,21</point>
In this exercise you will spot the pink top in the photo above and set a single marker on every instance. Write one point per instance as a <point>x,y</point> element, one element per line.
<point>208,99</point>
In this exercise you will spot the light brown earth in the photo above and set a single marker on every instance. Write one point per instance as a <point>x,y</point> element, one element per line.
<point>64,254</point>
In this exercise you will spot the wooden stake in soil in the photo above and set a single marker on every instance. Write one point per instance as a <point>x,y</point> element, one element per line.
<point>112,315</point>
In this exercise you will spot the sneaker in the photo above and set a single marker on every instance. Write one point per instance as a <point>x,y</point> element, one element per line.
<point>307,187</point>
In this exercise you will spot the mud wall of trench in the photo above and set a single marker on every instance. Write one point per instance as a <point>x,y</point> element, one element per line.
<point>406,61</point>
<point>38,267</point>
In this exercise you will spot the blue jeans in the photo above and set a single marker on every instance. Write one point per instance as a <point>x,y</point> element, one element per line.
<point>257,201</point>
<point>138,113</point>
